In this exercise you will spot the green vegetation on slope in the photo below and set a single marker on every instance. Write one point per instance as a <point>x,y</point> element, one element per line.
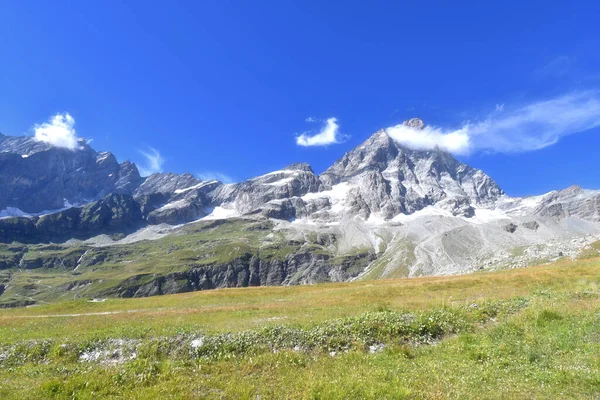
<point>204,255</point>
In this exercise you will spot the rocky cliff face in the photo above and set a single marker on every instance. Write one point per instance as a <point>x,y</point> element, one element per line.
<point>116,213</point>
<point>301,267</point>
<point>36,176</point>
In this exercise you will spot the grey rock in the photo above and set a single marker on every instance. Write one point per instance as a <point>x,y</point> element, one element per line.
<point>391,179</point>
<point>248,196</point>
<point>300,267</point>
<point>165,183</point>
<point>573,201</point>
<point>533,225</point>
<point>510,228</point>
<point>415,123</point>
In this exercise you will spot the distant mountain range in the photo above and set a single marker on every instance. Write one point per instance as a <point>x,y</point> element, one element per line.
<point>382,210</point>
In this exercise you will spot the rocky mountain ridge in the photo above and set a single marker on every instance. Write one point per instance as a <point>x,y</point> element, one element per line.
<point>36,176</point>
<point>378,178</point>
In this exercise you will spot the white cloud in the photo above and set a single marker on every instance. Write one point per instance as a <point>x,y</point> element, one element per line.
<point>513,130</point>
<point>154,162</point>
<point>59,131</point>
<point>311,119</point>
<point>329,134</point>
<point>556,68</point>
<point>428,138</point>
<point>214,176</point>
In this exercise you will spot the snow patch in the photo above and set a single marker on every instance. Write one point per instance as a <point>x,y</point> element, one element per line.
<point>68,204</point>
<point>485,215</point>
<point>96,301</point>
<point>303,221</point>
<point>102,156</point>
<point>197,186</point>
<point>428,211</point>
<point>280,182</point>
<point>10,212</point>
<point>220,212</point>
<point>336,195</point>
<point>174,204</point>
<point>281,171</point>
<point>79,260</point>
<point>13,212</point>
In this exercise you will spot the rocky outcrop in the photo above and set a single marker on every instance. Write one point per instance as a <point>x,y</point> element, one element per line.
<point>174,199</point>
<point>250,269</point>
<point>52,257</point>
<point>573,201</point>
<point>167,183</point>
<point>533,225</point>
<point>293,181</point>
<point>510,228</point>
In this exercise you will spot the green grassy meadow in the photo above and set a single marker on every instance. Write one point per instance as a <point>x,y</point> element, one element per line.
<point>523,333</point>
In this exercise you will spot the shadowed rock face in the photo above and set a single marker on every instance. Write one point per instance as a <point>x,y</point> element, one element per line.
<point>36,176</point>
<point>116,213</point>
<point>249,270</point>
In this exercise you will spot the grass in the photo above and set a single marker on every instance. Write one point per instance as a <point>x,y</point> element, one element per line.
<point>236,309</point>
<point>523,333</point>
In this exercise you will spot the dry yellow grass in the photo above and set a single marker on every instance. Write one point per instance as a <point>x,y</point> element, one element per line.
<point>244,308</point>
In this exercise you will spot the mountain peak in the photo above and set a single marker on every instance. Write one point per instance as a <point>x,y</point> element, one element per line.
<point>302,166</point>
<point>415,123</point>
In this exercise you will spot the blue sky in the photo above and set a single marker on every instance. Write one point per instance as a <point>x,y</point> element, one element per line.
<point>227,87</point>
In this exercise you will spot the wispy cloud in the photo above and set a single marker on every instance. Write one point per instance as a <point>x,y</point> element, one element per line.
<point>216,176</point>
<point>153,162</point>
<point>428,138</point>
<point>511,129</point>
<point>59,131</point>
<point>311,119</point>
<point>329,134</point>
<point>556,68</point>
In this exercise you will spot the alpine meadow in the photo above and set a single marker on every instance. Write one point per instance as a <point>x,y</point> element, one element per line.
<point>316,200</point>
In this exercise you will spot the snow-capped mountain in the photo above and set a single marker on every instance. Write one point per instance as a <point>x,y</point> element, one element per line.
<point>382,210</point>
<point>378,179</point>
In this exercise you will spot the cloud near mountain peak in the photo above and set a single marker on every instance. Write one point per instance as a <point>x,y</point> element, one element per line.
<point>528,127</point>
